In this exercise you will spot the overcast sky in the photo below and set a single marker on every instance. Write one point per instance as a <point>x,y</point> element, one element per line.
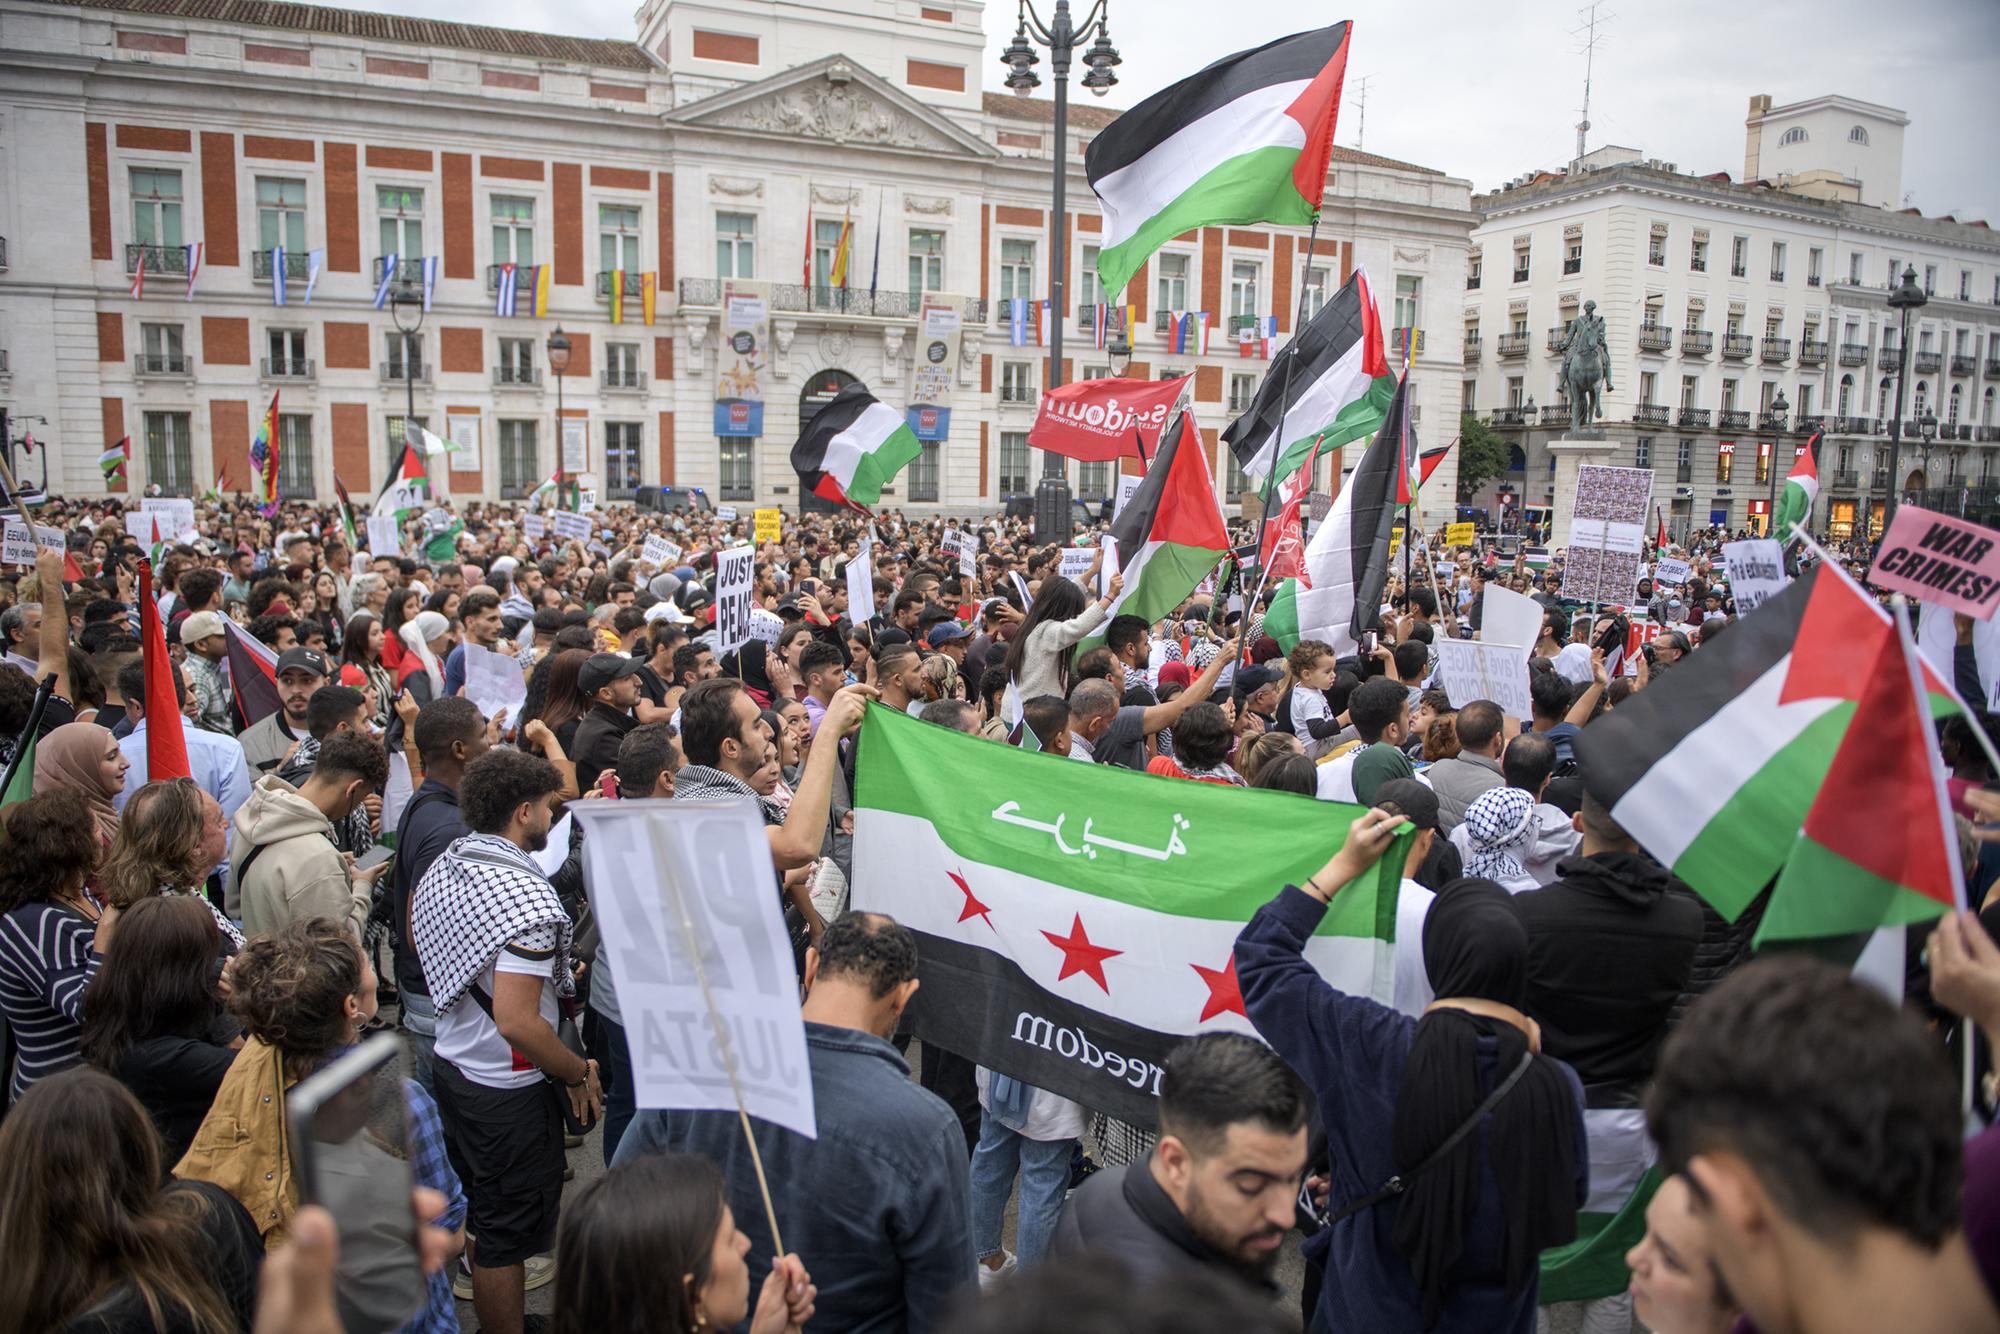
<point>1486,91</point>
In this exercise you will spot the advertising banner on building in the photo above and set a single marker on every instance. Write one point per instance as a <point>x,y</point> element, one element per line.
<point>939,326</point>
<point>742,357</point>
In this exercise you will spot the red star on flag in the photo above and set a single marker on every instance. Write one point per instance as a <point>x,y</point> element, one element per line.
<point>973,907</point>
<point>1080,956</point>
<point>1224,995</point>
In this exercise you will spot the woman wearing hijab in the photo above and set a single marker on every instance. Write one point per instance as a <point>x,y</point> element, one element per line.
<point>1457,1149</point>
<point>750,664</point>
<point>426,639</point>
<point>85,759</point>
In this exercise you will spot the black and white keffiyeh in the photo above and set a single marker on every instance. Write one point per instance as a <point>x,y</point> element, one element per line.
<point>482,893</point>
<point>698,782</point>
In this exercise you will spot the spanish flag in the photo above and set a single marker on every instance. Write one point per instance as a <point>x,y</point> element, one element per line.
<point>838,278</point>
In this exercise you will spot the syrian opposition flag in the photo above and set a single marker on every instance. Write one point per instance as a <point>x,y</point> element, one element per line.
<point>1246,140</point>
<point>1332,381</point>
<point>1074,922</point>
<point>852,447</point>
<point>409,489</point>
<point>1347,562</point>
<point>1170,533</point>
<point>1714,767</point>
<point>1795,505</point>
<point>253,674</point>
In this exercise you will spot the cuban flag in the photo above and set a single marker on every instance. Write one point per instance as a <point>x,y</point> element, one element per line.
<point>194,256</point>
<point>1017,321</point>
<point>315,261</point>
<point>390,266</point>
<point>278,276</point>
<point>431,265</point>
<point>503,301</point>
<point>1100,322</point>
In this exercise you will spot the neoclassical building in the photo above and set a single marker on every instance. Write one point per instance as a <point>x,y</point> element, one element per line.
<point>675,203</point>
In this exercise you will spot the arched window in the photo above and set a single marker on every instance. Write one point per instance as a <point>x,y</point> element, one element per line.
<point>1986,409</point>
<point>1857,135</point>
<point>1846,395</point>
<point>1957,402</point>
<point>1882,400</point>
<point>1923,393</point>
<point>1795,135</point>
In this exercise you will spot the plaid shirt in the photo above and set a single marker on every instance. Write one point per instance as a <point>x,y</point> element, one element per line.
<point>430,1166</point>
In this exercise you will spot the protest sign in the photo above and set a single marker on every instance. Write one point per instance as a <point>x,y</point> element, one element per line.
<point>1507,617</point>
<point>968,554</point>
<point>1128,484</point>
<point>726,513</point>
<point>494,682</point>
<point>1607,535</point>
<point>769,522</point>
<point>659,553</point>
<point>704,969</point>
<point>398,791</point>
<point>733,574</point>
<point>948,544</point>
<point>861,585</point>
<point>1475,669</point>
<point>1460,534</point>
<point>570,526</point>
<point>1098,420</point>
<point>176,516</point>
<point>533,527</point>
<point>1938,558</point>
<point>766,625</point>
<point>1671,573</point>
<point>1109,567</point>
<point>384,539</point>
<point>20,542</point>
<point>146,529</point>
<point>1075,563</point>
<point>437,519</point>
<point>1756,572</point>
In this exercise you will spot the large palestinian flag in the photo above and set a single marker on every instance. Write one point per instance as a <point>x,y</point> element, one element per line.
<point>1714,766</point>
<point>1332,384</point>
<point>1170,533</point>
<point>1801,490</point>
<point>852,447</point>
<point>409,489</point>
<point>1074,920</point>
<point>253,674</point>
<point>1347,562</point>
<point>1246,140</point>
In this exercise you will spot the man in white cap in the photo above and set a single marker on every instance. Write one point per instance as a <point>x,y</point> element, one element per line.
<point>207,644</point>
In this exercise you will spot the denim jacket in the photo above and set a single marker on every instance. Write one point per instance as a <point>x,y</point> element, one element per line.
<point>878,1207</point>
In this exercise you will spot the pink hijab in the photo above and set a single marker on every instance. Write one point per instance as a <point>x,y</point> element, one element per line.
<point>72,757</point>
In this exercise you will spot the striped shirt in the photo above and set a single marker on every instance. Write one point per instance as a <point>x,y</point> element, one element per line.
<point>45,963</point>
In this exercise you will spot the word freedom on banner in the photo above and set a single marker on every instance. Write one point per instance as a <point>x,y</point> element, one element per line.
<point>1756,572</point>
<point>699,950</point>
<point>733,576</point>
<point>1938,558</point>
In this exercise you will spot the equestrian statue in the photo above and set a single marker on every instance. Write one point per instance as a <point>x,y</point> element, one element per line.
<point>1586,368</point>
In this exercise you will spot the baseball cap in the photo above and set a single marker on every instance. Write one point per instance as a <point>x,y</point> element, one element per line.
<point>946,632</point>
<point>601,669</point>
<point>1417,802</point>
<point>199,626</point>
<point>1251,679</point>
<point>667,611</point>
<point>300,660</point>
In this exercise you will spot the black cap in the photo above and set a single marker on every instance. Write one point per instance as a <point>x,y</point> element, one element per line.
<point>601,669</point>
<point>1413,798</point>
<point>304,660</point>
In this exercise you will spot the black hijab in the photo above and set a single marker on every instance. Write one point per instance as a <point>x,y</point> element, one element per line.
<point>747,665</point>
<point>1475,944</point>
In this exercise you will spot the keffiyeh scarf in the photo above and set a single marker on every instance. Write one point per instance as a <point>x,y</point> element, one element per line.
<point>482,893</point>
<point>1499,827</point>
<point>698,782</point>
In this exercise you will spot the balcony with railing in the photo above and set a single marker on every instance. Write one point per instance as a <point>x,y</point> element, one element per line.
<point>1238,323</point>
<point>1511,345</point>
<point>1520,275</point>
<point>617,378</point>
<point>1963,365</point>
<point>513,375</point>
<point>286,368</point>
<point>1775,351</point>
<point>3,254</point>
<point>1697,342</point>
<point>634,283</point>
<point>1697,266</point>
<point>1846,481</point>
<point>1730,419</point>
<point>1889,359</point>
<point>1854,354</point>
<point>1552,341</point>
<point>788,298</point>
<point>1016,393</point>
<point>397,372</point>
<point>1694,418</point>
<point>1572,266</point>
<point>1737,347</point>
<point>159,258</point>
<point>409,269</point>
<point>1879,480</point>
<point>163,364</point>
<point>260,265</point>
<point>1510,416</point>
<point>1471,348</point>
<point>1812,352</point>
<point>1553,414</point>
<point>1927,363</point>
<point>1808,425</point>
<point>1396,341</point>
<point>1770,421</point>
<point>1655,338</point>
<point>1853,426</point>
<point>1651,414</point>
<point>1472,282</point>
<point>1993,368</point>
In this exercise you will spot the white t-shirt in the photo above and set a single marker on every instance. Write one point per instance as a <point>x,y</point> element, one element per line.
<point>1413,984</point>
<point>472,1042</point>
<point>1335,777</point>
<point>1309,707</point>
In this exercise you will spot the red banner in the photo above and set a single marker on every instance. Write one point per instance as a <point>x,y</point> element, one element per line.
<point>1100,420</point>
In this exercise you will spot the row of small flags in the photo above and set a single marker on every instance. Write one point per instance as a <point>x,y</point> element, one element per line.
<point>193,255</point>
<point>1187,331</point>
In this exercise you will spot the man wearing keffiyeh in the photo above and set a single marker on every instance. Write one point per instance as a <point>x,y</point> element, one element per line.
<point>494,942</point>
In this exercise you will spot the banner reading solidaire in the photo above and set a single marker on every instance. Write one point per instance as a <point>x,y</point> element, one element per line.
<point>1100,420</point>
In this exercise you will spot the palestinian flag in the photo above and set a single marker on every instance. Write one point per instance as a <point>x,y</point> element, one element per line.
<point>253,674</point>
<point>1878,848</point>
<point>18,783</point>
<point>1245,140</point>
<point>1074,921</point>
<point>852,447</point>
<point>1713,768</point>
<point>166,742</point>
<point>1170,533</point>
<point>1332,383</point>
<point>409,489</point>
<point>557,492</point>
<point>1427,462</point>
<point>1347,562</point>
<point>347,531</point>
<point>113,460</point>
<point>1795,505</point>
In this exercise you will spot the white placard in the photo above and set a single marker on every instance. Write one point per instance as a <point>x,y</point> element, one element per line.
<point>176,513</point>
<point>384,537</point>
<point>766,625</point>
<point>494,682</point>
<point>1472,669</point>
<point>1127,484</point>
<point>1109,567</point>
<point>659,553</point>
<point>861,585</point>
<point>534,527</point>
<point>556,851</point>
<point>726,513</point>
<point>968,555</point>
<point>575,446</point>
<point>1508,617</point>
<point>1606,535</point>
<point>948,544</point>
<point>464,432</point>
<point>17,544</point>
<point>1075,562</point>
<point>147,528</point>
<point>570,526</point>
<point>694,937</point>
<point>1756,572</point>
<point>1669,572</point>
<point>733,573</point>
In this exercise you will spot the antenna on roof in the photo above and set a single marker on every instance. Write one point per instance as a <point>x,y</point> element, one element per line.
<point>1361,109</point>
<point>1587,33</point>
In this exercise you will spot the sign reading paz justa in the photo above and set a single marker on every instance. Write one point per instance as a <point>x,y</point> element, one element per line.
<point>1938,558</point>
<point>659,552</point>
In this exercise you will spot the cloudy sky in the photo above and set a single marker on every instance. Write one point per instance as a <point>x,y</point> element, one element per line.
<point>1488,91</point>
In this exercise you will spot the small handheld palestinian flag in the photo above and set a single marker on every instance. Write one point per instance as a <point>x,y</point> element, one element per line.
<point>852,448</point>
<point>408,489</point>
<point>114,459</point>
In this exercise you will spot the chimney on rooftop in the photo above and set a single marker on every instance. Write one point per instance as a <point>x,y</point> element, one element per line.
<point>1753,135</point>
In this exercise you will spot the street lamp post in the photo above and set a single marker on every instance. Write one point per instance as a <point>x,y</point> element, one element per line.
<point>407,308</point>
<point>1779,407</point>
<point>558,350</point>
<point>1903,300</point>
<point>1061,36</point>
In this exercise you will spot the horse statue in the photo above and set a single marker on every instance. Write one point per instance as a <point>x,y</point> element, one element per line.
<point>1586,367</point>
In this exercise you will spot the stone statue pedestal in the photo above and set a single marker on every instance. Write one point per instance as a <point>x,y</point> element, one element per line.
<point>1570,453</point>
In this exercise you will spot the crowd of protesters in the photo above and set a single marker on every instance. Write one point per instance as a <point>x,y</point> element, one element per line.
<point>178,953</point>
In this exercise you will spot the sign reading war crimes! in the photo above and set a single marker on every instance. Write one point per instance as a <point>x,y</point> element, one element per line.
<point>1937,558</point>
<point>698,947</point>
<point>1607,533</point>
<point>1074,921</point>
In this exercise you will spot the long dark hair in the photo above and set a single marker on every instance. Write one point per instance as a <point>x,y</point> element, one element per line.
<point>397,609</point>
<point>563,700</point>
<point>50,846</point>
<point>354,639</point>
<point>1058,599</point>
<point>633,1248</point>
<point>160,979</point>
